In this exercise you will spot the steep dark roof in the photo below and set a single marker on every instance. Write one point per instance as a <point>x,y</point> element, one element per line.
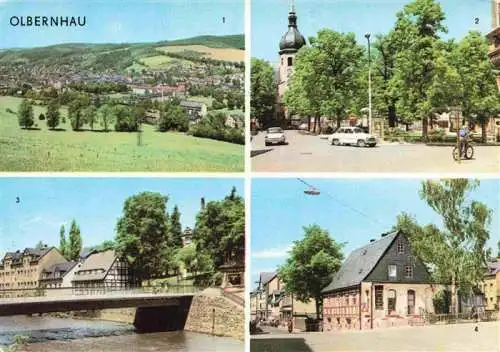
<point>35,253</point>
<point>62,268</point>
<point>360,263</point>
<point>266,277</point>
<point>493,267</point>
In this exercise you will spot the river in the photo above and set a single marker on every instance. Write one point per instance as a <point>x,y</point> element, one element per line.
<point>55,334</point>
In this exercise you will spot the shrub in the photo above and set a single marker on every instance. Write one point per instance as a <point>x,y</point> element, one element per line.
<point>41,117</point>
<point>9,111</point>
<point>442,301</point>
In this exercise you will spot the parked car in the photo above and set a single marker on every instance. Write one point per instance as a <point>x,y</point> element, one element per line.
<point>275,135</point>
<point>352,136</point>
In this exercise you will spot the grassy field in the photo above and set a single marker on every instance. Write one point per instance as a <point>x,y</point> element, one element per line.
<point>226,54</point>
<point>65,150</point>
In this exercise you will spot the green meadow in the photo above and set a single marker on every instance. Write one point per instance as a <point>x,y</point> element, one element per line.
<point>40,149</point>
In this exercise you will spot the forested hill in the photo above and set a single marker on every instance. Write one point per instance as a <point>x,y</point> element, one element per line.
<point>120,56</point>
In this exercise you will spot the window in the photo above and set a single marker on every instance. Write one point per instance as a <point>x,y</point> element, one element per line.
<point>392,272</point>
<point>379,297</point>
<point>401,247</point>
<point>354,300</point>
<point>408,271</point>
<point>281,61</point>
<point>290,61</point>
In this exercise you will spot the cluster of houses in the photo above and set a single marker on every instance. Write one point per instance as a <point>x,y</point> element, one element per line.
<point>31,271</point>
<point>380,284</point>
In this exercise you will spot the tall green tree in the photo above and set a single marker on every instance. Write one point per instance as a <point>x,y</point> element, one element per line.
<point>142,234</point>
<point>53,114</point>
<point>63,246</point>
<point>25,114</point>
<point>325,76</point>
<point>263,92</point>
<point>75,241</point>
<point>89,115</point>
<point>175,227</point>
<point>105,116</point>
<point>76,111</point>
<point>455,253</point>
<point>481,99</point>
<point>418,26</point>
<point>220,227</point>
<point>312,262</point>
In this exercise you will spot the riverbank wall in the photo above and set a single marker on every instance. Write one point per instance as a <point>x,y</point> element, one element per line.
<point>211,313</point>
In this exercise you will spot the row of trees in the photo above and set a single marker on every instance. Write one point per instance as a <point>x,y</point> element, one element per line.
<point>454,253</point>
<point>151,240</point>
<point>416,74</point>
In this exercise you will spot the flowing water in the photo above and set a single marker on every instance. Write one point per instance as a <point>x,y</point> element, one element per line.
<point>54,334</point>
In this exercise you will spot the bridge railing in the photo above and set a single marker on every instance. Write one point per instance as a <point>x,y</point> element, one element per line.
<point>61,292</point>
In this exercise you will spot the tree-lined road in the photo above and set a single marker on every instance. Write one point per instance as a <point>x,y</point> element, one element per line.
<point>306,153</point>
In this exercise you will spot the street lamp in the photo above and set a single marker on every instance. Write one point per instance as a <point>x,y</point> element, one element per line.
<point>367,36</point>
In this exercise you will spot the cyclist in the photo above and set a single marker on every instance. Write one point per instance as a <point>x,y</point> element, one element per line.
<point>463,133</point>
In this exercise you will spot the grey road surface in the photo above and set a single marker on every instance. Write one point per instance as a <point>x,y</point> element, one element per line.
<point>443,338</point>
<point>306,153</point>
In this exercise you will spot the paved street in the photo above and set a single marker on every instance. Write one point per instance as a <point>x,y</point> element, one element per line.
<point>306,153</point>
<point>453,338</point>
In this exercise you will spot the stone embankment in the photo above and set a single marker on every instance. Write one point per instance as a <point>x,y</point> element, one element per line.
<point>212,313</point>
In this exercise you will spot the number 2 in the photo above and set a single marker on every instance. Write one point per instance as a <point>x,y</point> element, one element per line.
<point>476,20</point>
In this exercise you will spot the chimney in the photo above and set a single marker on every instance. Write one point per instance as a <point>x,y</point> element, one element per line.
<point>202,203</point>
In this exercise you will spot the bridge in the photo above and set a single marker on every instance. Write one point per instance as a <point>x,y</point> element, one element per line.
<point>34,301</point>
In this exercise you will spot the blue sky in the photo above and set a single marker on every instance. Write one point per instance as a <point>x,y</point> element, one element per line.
<point>95,203</point>
<point>270,19</point>
<point>115,21</point>
<point>280,209</point>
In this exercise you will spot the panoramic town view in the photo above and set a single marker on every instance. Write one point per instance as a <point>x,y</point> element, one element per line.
<point>375,265</point>
<point>106,97</point>
<point>159,266</point>
<point>378,86</point>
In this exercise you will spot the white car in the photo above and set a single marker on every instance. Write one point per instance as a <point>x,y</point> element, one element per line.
<point>275,135</point>
<point>353,136</point>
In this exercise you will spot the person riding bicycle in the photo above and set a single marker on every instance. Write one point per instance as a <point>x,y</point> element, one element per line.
<point>464,134</point>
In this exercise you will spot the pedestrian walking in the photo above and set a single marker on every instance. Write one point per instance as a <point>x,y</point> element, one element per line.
<point>290,325</point>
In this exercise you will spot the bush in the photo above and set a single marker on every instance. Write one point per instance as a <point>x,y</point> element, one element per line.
<point>442,301</point>
<point>9,111</point>
<point>41,117</point>
<point>436,136</point>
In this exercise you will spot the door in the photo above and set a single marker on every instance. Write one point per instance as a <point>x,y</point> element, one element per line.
<point>349,136</point>
<point>411,302</point>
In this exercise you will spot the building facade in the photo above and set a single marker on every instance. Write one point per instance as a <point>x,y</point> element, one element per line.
<point>22,269</point>
<point>381,284</point>
<point>58,275</point>
<point>494,35</point>
<point>194,110</point>
<point>289,45</point>
<point>491,286</point>
<point>101,272</point>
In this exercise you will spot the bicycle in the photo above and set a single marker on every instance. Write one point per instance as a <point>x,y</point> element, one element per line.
<point>465,153</point>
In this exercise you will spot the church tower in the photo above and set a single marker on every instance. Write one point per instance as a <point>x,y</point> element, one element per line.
<point>290,44</point>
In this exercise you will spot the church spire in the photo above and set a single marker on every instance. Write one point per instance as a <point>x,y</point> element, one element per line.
<point>292,6</point>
